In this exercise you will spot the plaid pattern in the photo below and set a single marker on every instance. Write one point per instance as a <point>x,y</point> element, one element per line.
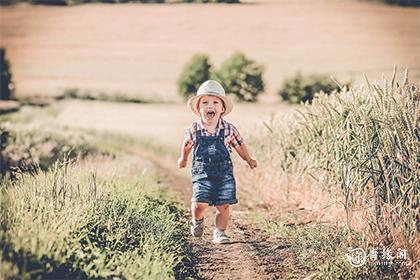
<point>232,136</point>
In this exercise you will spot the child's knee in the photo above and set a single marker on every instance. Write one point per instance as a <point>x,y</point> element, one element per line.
<point>199,206</point>
<point>223,208</point>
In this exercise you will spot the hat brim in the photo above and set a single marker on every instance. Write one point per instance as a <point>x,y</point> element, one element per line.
<point>192,103</point>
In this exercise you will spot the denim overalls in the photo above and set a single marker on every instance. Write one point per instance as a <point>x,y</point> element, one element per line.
<point>212,170</point>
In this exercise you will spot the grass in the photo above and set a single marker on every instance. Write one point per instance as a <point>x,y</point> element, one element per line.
<point>28,145</point>
<point>8,106</point>
<point>93,210</point>
<point>70,222</point>
<point>30,149</point>
<point>319,250</point>
<point>361,148</point>
<point>76,94</point>
<point>29,114</point>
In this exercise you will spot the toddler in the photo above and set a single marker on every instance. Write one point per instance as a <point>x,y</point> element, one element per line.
<point>211,139</point>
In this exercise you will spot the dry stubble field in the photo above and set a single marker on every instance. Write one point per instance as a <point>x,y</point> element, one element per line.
<point>139,49</point>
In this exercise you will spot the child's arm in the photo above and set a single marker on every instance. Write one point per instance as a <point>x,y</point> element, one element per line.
<point>186,148</point>
<point>244,154</point>
<point>183,159</point>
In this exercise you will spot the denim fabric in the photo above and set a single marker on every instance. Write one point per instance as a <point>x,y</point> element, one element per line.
<point>215,191</point>
<point>212,171</point>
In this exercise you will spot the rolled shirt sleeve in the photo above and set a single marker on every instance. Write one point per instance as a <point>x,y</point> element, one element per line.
<point>189,137</point>
<point>234,138</point>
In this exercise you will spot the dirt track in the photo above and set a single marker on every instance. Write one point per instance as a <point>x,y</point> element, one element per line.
<point>140,49</point>
<point>251,254</point>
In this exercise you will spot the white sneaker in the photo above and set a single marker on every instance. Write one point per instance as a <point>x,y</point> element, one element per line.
<point>197,228</point>
<point>220,237</point>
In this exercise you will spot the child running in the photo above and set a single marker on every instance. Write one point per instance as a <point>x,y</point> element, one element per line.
<point>211,139</point>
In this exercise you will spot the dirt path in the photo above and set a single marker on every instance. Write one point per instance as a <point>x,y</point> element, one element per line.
<point>250,255</point>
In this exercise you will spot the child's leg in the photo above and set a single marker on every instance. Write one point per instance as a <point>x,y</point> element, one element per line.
<point>222,216</point>
<point>197,210</point>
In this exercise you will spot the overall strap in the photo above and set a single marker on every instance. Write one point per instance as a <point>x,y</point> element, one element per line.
<point>222,133</point>
<point>196,139</point>
<point>197,131</point>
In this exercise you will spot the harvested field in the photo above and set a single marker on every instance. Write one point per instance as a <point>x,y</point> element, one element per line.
<point>140,49</point>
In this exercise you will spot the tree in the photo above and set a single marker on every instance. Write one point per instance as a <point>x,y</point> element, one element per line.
<point>241,77</point>
<point>196,72</point>
<point>6,85</point>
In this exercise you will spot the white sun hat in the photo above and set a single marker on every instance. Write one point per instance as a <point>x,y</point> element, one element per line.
<point>212,88</point>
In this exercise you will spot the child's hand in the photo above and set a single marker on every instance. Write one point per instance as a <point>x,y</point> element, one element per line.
<point>252,163</point>
<point>182,162</point>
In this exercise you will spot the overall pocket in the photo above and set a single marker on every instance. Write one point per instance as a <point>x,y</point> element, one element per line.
<point>198,172</point>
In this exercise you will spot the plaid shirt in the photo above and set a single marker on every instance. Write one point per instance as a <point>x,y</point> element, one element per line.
<point>232,136</point>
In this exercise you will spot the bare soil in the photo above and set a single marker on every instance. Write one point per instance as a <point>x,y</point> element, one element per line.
<point>140,49</point>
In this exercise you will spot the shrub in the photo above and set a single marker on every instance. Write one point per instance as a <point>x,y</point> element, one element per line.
<point>241,77</point>
<point>196,72</point>
<point>411,3</point>
<point>299,89</point>
<point>7,2</point>
<point>6,86</point>
<point>73,2</point>
<point>127,1</point>
<point>52,2</point>
<point>212,1</point>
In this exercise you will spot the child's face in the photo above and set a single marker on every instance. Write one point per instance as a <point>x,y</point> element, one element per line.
<point>210,107</point>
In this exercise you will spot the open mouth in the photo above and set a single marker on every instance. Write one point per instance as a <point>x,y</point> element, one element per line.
<point>210,114</point>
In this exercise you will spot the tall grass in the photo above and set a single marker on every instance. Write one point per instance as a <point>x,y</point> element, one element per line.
<point>70,223</point>
<point>92,211</point>
<point>362,145</point>
<point>25,149</point>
